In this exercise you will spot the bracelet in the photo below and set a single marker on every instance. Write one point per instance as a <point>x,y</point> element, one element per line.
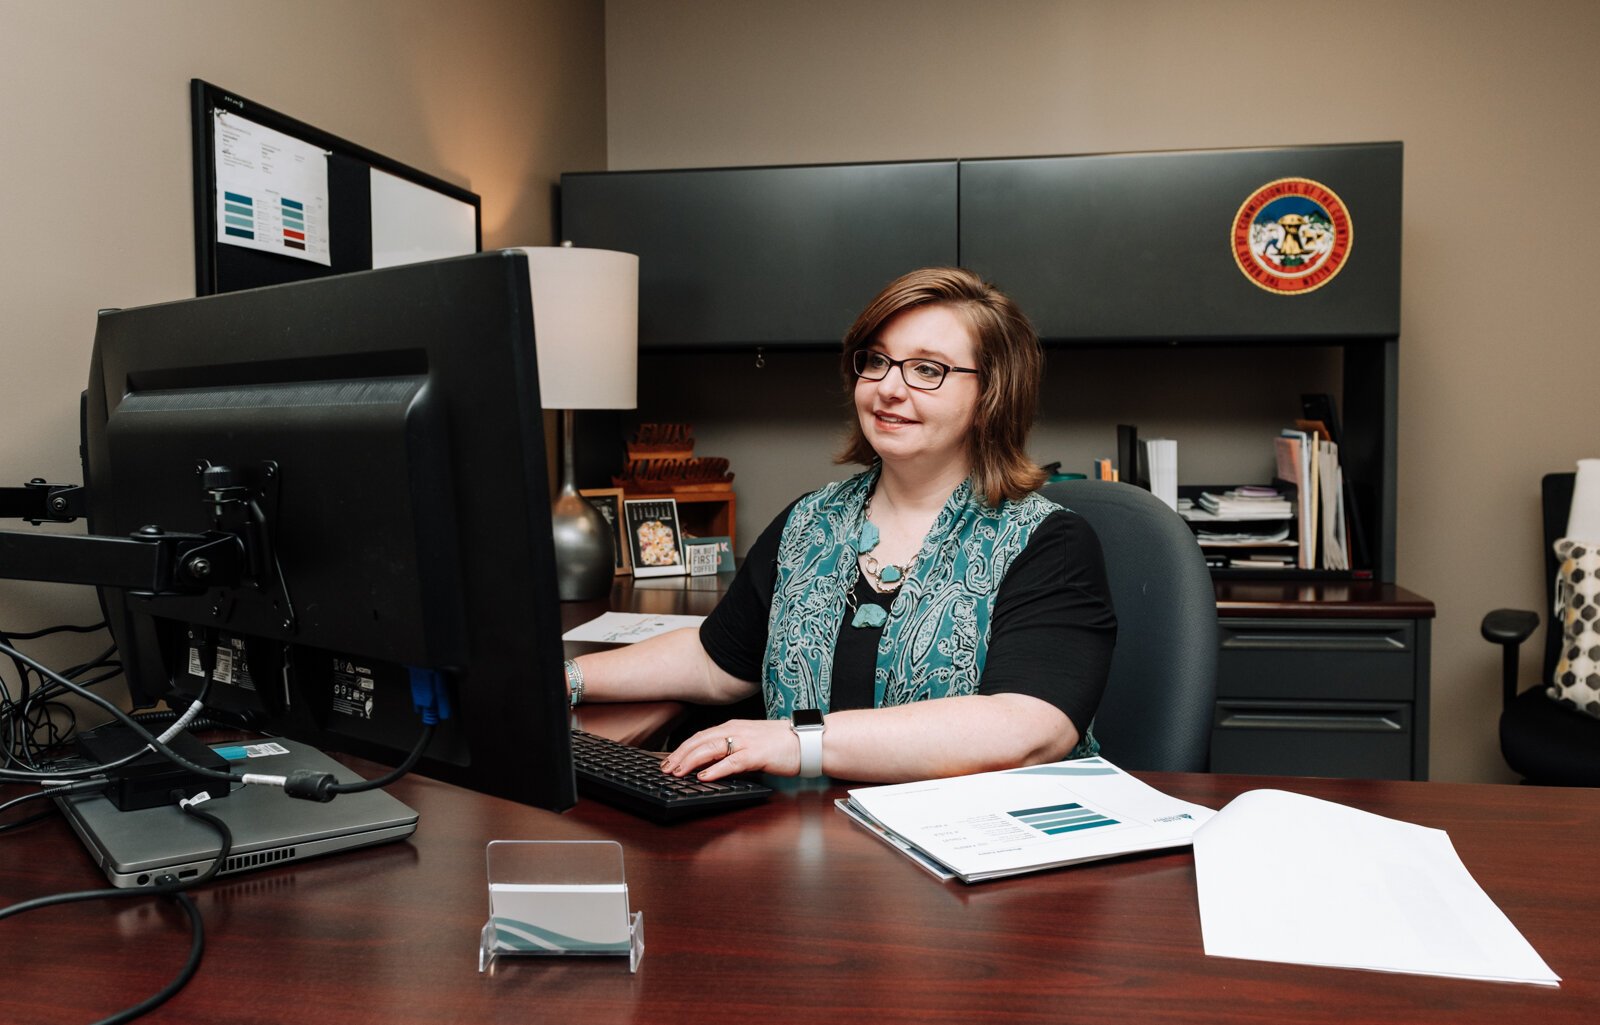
<point>574,681</point>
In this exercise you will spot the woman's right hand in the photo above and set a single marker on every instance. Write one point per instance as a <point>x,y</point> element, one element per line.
<point>737,746</point>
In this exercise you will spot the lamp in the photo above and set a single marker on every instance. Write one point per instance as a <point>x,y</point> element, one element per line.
<point>586,333</point>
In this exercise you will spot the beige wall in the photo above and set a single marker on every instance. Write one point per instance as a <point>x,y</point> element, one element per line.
<point>1495,103</point>
<point>499,96</point>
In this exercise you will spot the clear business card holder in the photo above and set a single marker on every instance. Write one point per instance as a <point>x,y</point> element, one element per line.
<point>568,897</point>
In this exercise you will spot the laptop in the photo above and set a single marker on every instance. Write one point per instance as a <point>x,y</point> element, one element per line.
<point>269,827</point>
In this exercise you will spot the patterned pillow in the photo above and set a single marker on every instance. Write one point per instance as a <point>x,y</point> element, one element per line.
<point>1577,607</point>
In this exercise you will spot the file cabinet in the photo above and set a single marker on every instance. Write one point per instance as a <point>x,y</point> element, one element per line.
<point>1322,680</point>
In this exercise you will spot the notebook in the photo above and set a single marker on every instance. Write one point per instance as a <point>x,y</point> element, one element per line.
<point>269,827</point>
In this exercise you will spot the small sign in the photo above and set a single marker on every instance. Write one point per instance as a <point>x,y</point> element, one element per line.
<point>655,541</point>
<point>702,557</point>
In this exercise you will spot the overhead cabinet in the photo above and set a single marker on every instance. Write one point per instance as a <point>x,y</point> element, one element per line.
<point>1098,249</point>
<point>1144,247</point>
<point>763,256</point>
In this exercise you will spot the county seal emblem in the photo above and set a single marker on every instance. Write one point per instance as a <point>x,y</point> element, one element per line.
<point>1292,236</point>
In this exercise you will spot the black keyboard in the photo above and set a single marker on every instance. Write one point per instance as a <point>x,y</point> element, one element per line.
<point>632,780</point>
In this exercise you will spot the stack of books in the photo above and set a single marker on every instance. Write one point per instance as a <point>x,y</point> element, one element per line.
<point>1247,503</point>
<point>1250,524</point>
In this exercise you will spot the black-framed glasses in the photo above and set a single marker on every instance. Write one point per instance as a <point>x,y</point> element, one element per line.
<point>925,374</point>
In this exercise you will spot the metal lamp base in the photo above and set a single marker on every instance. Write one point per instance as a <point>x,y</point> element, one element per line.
<point>585,561</point>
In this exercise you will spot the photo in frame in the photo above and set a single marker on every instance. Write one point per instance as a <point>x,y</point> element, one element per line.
<point>608,503</point>
<point>655,541</point>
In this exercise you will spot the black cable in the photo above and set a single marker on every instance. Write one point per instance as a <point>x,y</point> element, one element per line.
<point>310,785</point>
<point>83,667</point>
<point>40,709</point>
<point>34,723</point>
<point>77,775</point>
<point>197,950</point>
<point>305,785</point>
<point>393,774</point>
<point>28,820</point>
<point>94,784</point>
<point>173,888</point>
<point>71,788</point>
<point>47,631</point>
<point>119,715</point>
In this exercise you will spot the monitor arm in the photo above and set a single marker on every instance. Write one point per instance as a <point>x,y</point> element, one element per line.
<point>38,501</point>
<point>150,561</point>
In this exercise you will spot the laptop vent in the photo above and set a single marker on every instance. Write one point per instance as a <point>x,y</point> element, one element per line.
<point>240,862</point>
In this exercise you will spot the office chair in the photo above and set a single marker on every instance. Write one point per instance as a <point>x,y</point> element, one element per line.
<point>1542,741</point>
<point>1159,702</point>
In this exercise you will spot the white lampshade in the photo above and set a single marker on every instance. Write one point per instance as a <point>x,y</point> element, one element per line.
<point>1583,518</point>
<point>586,326</point>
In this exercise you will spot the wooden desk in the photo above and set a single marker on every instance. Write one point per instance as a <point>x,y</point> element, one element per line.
<point>782,913</point>
<point>643,724</point>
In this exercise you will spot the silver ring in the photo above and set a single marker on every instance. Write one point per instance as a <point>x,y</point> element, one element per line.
<point>729,742</point>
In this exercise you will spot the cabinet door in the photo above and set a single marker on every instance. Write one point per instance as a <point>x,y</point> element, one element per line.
<point>742,257</point>
<point>1139,246</point>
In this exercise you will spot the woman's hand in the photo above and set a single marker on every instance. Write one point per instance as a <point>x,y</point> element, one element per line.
<point>738,745</point>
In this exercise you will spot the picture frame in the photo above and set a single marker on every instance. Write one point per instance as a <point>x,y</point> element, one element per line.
<point>608,503</point>
<point>655,538</point>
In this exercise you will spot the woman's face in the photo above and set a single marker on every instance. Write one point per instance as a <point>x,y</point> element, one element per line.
<point>911,427</point>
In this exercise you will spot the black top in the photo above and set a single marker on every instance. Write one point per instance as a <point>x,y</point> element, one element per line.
<point>1051,633</point>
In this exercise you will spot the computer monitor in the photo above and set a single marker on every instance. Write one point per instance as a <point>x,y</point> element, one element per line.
<point>386,430</point>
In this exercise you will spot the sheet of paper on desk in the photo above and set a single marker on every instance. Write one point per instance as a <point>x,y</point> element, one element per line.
<point>628,627</point>
<point>1284,877</point>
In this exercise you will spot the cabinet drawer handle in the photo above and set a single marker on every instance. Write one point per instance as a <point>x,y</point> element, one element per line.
<point>1276,641</point>
<point>1375,723</point>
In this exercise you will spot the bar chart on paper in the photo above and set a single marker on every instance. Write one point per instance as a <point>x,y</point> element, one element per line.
<point>272,191</point>
<point>1062,818</point>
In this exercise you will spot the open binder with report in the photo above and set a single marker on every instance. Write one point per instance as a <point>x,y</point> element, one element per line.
<point>995,824</point>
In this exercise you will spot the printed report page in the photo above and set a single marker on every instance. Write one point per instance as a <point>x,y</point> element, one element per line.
<point>1041,816</point>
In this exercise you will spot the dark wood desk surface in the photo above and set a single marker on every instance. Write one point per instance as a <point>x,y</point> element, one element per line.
<point>1331,599</point>
<point>1354,599</point>
<point>1340,599</point>
<point>782,913</point>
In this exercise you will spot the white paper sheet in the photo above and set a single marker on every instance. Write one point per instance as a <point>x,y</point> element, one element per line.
<point>628,627</point>
<point>1284,877</point>
<point>272,191</point>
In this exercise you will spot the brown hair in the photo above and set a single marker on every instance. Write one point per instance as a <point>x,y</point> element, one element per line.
<point>1010,366</point>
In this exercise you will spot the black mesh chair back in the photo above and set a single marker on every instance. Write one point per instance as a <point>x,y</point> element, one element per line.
<point>1543,742</point>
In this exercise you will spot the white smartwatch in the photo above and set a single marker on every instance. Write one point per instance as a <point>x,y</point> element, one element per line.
<point>807,726</point>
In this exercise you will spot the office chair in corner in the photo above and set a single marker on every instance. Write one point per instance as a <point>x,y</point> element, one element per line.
<point>1161,696</point>
<point>1542,741</point>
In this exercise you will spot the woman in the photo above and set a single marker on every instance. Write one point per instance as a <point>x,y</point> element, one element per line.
<point>943,616</point>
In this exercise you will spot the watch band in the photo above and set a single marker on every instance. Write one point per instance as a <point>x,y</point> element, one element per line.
<point>809,733</point>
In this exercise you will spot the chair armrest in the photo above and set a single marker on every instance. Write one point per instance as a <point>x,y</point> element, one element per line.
<point>1509,628</point>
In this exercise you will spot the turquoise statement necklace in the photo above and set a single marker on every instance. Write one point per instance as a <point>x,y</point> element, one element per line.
<point>886,577</point>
